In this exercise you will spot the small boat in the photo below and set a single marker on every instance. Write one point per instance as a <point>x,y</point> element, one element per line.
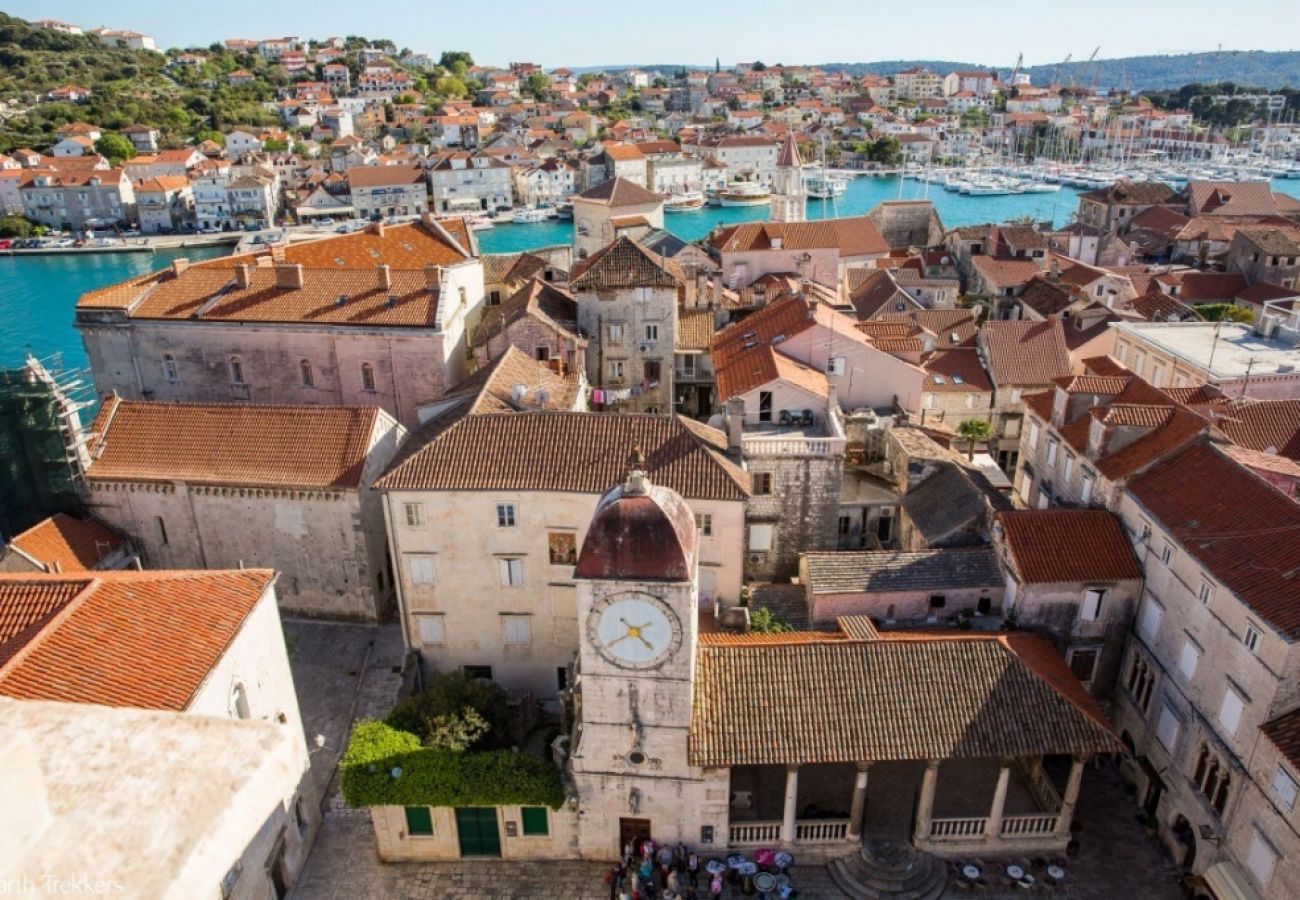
<point>744,193</point>
<point>480,223</point>
<point>683,202</point>
<point>529,214</point>
<point>564,210</point>
<point>826,187</point>
<point>1038,187</point>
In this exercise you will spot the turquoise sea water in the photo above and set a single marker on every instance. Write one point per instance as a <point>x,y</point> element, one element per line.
<point>38,293</point>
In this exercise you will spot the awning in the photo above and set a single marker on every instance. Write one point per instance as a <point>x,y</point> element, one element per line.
<point>1225,881</point>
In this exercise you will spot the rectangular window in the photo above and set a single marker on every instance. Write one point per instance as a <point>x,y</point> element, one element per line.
<point>1151,614</point>
<point>704,522</point>
<point>483,672</point>
<point>162,529</point>
<point>1085,495</point>
<point>651,370</point>
<point>615,368</point>
<point>419,821</point>
<point>762,483</point>
<point>1083,663</point>
<point>563,547</point>
<point>1167,728</point>
<point>1032,440</point>
<point>1285,787</point>
<point>414,514</point>
<point>505,515</point>
<point>432,629</point>
<point>644,294</point>
<point>1167,553</point>
<point>651,334</point>
<point>512,572</point>
<point>764,406</point>
<point>1206,592</point>
<point>517,629</point>
<point>615,332</point>
<point>535,821</point>
<point>1052,446</point>
<point>1090,611</point>
<point>1230,710</point>
<point>1067,467</point>
<point>1261,858</point>
<point>422,569</point>
<point>760,537</point>
<point>1188,658</point>
<point>1251,638</point>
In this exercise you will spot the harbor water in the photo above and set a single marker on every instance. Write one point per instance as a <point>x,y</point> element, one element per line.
<point>38,293</point>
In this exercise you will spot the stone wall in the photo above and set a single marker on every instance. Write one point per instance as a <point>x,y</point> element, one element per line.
<point>803,509</point>
<point>598,310</point>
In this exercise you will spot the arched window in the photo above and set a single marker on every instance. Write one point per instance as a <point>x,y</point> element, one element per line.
<point>169,368</point>
<point>236,370</point>
<point>239,702</point>
<point>367,377</point>
<point>304,370</point>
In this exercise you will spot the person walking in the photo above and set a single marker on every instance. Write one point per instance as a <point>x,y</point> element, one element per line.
<point>693,869</point>
<point>715,886</point>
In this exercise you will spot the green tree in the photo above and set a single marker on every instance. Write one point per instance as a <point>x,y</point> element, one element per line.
<point>441,715</point>
<point>210,135</point>
<point>450,87</point>
<point>763,621</point>
<point>1223,312</point>
<point>536,85</point>
<point>885,150</point>
<point>974,431</point>
<point>450,58</point>
<point>275,145</point>
<point>16,227</point>
<point>115,147</point>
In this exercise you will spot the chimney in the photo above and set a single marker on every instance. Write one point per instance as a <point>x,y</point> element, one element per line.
<point>180,265</point>
<point>378,228</point>
<point>1055,272</point>
<point>426,219</point>
<point>243,275</point>
<point>289,276</point>
<point>385,276</point>
<point>433,278</point>
<point>735,422</point>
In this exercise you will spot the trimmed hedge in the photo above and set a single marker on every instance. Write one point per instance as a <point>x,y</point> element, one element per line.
<point>440,777</point>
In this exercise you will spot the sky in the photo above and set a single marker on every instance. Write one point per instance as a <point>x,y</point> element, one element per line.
<point>589,33</point>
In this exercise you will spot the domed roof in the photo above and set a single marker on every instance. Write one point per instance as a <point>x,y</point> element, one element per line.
<point>640,532</point>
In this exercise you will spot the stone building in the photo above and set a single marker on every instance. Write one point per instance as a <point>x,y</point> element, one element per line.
<point>1072,574</point>
<point>1022,358</point>
<point>789,195</point>
<point>1209,681</point>
<point>822,251</point>
<point>612,209</point>
<point>500,599</point>
<point>192,661</point>
<point>1091,433</point>
<point>64,543</point>
<point>373,318</point>
<point>78,198</point>
<point>381,191</point>
<point>1262,362</point>
<point>1266,254</point>
<point>540,320</point>
<point>628,307</point>
<point>199,486</point>
<point>464,181</point>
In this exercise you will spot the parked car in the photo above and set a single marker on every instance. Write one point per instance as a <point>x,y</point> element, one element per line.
<point>6,243</point>
<point>325,222</point>
<point>64,242</point>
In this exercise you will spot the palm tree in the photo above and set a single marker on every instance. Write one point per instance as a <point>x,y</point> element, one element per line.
<point>974,431</point>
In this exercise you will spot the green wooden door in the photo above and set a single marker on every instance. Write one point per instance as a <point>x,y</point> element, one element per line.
<point>477,828</point>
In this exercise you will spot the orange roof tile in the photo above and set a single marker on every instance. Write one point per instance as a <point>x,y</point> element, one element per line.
<point>1068,545</point>
<point>232,444</point>
<point>64,543</point>
<point>139,639</point>
<point>853,236</point>
<point>1026,353</point>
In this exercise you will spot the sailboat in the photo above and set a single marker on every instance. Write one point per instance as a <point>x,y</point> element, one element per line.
<point>823,185</point>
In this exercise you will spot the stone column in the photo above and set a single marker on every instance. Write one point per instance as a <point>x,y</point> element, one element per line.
<point>1066,815</point>
<point>993,825</point>
<point>791,804</point>
<point>859,802</point>
<point>925,806</point>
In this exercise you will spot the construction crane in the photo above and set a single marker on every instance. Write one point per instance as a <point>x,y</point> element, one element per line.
<point>1090,67</point>
<point>1016,71</point>
<point>1057,71</point>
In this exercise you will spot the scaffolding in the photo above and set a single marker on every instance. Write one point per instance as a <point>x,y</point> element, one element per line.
<point>42,441</point>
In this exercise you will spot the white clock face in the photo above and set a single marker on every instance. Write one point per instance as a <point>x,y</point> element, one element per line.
<point>635,631</point>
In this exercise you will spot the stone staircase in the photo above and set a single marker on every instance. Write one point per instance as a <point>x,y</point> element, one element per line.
<point>886,869</point>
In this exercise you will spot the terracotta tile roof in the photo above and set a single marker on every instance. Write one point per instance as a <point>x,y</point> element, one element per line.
<point>695,329</point>
<point>871,571</point>
<point>516,451</point>
<point>1161,219</point>
<point>1240,528</point>
<point>1263,291</point>
<point>740,373</point>
<point>1273,241</point>
<point>1182,428</point>
<point>1026,353</point>
<point>1284,732</point>
<point>618,192</point>
<point>538,300</point>
<point>64,543</point>
<point>346,297</point>
<point>853,236</point>
<point>1133,415</point>
<point>1049,298</point>
<point>951,327</point>
<point>1210,287</point>
<point>778,321</point>
<point>141,639</point>
<point>1231,198</point>
<point>873,291</point>
<point>955,371</point>
<point>1102,365</point>
<point>1051,546</point>
<point>898,344</point>
<point>383,176</point>
<point>1272,426</point>
<point>254,445</point>
<point>1157,306</point>
<point>493,387</point>
<point>897,699</point>
<point>28,604</point>
<point>624,263</point>
<point>1263,462</point>
<point>1005,273</point>
<point>758,639</point>
<point>1134,193</point>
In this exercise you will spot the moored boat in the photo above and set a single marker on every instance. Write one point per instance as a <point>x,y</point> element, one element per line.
<point>744,193</point>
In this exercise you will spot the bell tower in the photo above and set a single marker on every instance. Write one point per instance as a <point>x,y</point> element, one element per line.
<point>637,618</point>
<point>789,196</point>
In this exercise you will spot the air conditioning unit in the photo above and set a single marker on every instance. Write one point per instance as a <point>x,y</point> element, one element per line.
<point>645,348</point>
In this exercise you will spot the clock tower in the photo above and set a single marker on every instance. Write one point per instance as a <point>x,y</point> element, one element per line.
<point>789,195</point>
<point>637,617</point>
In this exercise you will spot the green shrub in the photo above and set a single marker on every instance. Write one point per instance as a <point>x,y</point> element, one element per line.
<point>429,777</point>
<point>763,621</point>
<point>429,715</point>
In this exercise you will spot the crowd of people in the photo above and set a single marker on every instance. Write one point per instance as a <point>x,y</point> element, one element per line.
<point>650,871</point>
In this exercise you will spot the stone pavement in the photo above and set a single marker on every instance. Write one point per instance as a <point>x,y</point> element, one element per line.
<point>341,673</point>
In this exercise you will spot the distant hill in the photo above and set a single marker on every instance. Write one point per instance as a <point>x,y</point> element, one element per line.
<point>1257,68</point>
